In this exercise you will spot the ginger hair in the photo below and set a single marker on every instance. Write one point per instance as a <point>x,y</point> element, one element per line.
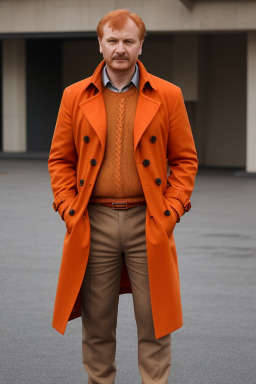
<point>117,19</point>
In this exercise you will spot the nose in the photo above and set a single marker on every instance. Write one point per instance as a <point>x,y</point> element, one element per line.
<point>120,48</point>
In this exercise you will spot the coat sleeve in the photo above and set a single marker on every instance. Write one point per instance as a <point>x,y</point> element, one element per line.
<point>182,158</point>
<point>63,159</point>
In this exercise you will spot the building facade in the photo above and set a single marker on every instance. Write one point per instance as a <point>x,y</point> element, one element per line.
<point>208,48</point>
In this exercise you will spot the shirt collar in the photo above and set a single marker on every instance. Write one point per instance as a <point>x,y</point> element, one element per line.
<point>135,80</point>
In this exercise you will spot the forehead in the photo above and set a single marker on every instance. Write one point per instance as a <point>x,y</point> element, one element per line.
<point>129,30</point>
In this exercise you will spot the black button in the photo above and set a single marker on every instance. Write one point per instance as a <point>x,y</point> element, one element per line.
<point>153,139</point>
<point>158,181</point>
<point>86,139</point>
<point>167,212</point>
<point>146,162</point>
<point>81,182</point>
<point>93,162</point>
<point>71,212</point>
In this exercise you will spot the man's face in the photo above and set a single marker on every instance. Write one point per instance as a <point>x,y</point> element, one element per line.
<point>121,48</point>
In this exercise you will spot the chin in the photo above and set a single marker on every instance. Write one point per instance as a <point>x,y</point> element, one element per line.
<point>122,65</point>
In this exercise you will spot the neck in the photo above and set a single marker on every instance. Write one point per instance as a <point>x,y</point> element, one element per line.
<point>120,78</point>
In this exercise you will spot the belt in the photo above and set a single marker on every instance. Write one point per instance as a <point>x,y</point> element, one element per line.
<point>123,205</point>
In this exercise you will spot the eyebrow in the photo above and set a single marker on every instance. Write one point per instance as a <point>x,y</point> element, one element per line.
<point>114,38</point>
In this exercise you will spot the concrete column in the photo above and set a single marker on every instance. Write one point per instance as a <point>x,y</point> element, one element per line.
<point>251,103</point>
<point>14,95</point>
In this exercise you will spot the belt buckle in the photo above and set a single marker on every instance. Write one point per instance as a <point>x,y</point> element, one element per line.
<point>120,205</point>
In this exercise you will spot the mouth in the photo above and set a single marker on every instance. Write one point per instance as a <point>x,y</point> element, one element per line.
<point>119,59</point>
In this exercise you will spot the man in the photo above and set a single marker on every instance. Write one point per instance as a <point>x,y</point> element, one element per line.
<point>114,134</point>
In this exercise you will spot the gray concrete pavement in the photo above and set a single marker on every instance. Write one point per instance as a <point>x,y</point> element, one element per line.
<point>216,245</point>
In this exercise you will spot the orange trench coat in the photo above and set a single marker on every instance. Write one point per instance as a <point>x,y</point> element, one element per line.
<point>79,137</point>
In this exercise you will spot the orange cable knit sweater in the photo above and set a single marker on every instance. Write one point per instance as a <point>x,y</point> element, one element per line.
<point>118,178</point>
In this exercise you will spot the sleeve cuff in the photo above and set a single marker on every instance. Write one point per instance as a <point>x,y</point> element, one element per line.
<point>179,199</point>
<point>177,206</point>
<point>63,206</point>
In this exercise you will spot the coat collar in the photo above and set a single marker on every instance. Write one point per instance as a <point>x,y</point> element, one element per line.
<point>94,107</point>
<point>96,78</point>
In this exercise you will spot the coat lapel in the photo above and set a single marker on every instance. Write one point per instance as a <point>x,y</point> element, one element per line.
<point>146,111</point>
<point>146,108</point>
<point>94,107</point>
<point>94,111</point>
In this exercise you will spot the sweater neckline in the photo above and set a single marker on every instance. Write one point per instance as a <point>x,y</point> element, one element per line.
<point>131,92</point>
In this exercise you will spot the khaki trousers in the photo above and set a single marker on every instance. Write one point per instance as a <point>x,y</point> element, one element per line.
<point>118,235</point>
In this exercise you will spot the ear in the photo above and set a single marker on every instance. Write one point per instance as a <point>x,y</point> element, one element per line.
<point>140,47</point>
<point>100,47</point>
